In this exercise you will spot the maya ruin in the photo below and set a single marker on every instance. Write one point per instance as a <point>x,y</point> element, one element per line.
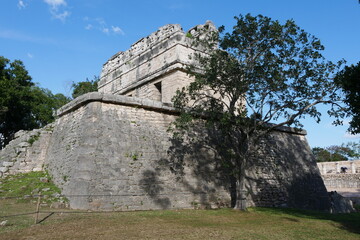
<point>110,150</point>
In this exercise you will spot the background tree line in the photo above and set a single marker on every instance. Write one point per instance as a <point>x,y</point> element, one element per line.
<point>25,105</point>
<point>349,151</point>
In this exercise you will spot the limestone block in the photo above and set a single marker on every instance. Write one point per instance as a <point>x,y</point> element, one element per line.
<point>24,144</point>
<point>21,159</point>
<point>20,133</point>
<point>340,204</point>
<point>8,164</point>
<point>4,169</point>
<point>34,132</point>
<point>20,150</point>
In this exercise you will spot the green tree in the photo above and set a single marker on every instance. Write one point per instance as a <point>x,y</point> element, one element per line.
<point>15,93</point>
<point>44,104</point>
<point>249,82</point>
<point>330,154</point>
<point>81,88</point>
<point>321,154</point>
<point>349,80</point>
<point>336,153</point>
<point>354,149</point>
<point>60,100</point>
<point>23,105</point>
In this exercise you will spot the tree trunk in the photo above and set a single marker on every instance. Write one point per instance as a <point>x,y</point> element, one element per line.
<point>241,193</point>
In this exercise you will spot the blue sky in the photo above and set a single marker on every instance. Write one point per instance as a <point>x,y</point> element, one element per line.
<point>65,41</point>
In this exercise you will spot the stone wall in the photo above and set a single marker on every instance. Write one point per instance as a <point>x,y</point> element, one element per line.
<point>335,167</point>
<point>110,151</point>
<point>346,183</point>
<point>340,182</point>
<point>114,153</point>
<point>286,174</point>
<point>336,180</point>
<point>26,152</point>
<point>156,59</point>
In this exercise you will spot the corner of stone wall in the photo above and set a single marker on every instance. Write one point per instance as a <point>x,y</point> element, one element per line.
<point>26,152</point>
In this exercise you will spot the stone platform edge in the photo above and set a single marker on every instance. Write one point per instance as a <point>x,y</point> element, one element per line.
<point>115,99</point>
<point>138,102</point>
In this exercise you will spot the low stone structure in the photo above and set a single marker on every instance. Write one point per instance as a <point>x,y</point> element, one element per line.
<point>328,168</point>
<point>342,177</point>
<point>111,150</point>
<point>27,152</point>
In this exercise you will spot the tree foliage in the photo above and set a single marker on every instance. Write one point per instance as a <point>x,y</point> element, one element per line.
<point>349,80</point>
<point>336,153</point>
<point>23,105</point>
<point>83,87</point>
<point>248,82</point>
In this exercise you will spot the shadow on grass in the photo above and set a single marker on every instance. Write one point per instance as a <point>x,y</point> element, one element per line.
<point>348,221</point>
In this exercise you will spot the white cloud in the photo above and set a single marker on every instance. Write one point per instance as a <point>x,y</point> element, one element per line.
<point>61,16</point>
<point>57,9</point>
<point>89,27</point>
<point>21,4</point>
<point>30,55</point>
<point>100,21</point>
<point>55,3</point>
<point>100,24</point>
<point>117,30</point>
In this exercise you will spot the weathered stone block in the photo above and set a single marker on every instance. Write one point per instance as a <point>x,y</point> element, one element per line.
<point>24,144</point>
<point>19,133</point>
<point>8,164</point>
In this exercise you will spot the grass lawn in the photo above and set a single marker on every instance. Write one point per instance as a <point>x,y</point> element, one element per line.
<point>257,223</point>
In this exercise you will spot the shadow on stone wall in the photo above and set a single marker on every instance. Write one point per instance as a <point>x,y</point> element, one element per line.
<point>282,173</point>
<point>191,168</point>
<point>289,176</point>
<point>197,167</point>
<point>151,184</point>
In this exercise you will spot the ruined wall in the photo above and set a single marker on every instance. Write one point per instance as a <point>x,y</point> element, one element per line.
<point>286,174</point>
<point>115,145</point>
<point>342,182</point>
<point>114,152</point>
<point>347,183</point>
<point>149,61</point>
<point>335,167</point>
<point>26,152</point>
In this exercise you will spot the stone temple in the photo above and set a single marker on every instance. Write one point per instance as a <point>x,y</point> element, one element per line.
<point>110,150</point>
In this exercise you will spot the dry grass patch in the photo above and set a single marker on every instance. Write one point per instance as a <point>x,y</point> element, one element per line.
<point>257,223</point>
